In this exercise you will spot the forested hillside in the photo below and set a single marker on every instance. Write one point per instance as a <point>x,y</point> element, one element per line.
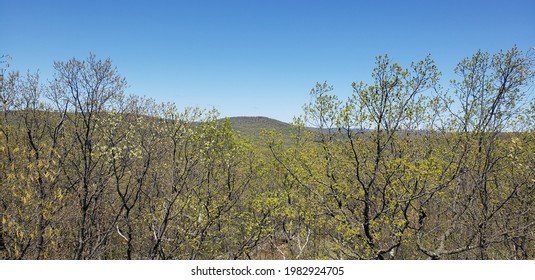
<point>408,167</point>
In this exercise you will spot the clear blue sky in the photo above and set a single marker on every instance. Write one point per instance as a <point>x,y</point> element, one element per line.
<point>255,57</point>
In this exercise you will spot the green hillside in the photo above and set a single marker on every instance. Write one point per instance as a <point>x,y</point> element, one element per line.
<point>252,127</point>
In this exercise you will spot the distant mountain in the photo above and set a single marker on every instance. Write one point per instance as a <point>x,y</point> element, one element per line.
<point>253,126</point>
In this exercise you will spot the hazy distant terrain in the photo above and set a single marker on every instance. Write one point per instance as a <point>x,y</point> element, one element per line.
<point>253,126</point>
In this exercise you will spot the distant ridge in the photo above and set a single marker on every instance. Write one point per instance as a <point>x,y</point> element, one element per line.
<point>253,126</point>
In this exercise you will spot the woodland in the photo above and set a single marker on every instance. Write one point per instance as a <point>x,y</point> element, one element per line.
<point>408,167</point>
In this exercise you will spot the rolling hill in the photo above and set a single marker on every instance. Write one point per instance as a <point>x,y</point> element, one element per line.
<point>252,126</point>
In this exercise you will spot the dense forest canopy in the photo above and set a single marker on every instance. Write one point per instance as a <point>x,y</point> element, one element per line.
<point>403,169</point>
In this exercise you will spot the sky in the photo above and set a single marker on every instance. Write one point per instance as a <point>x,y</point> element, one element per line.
<point>255,58</point>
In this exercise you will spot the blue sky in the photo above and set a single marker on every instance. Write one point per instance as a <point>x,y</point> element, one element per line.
<point>255,57</point>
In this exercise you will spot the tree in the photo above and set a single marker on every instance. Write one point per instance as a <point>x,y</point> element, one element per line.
<point>357,171</point>
<point>490,95</point>
<point>88,89</point>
